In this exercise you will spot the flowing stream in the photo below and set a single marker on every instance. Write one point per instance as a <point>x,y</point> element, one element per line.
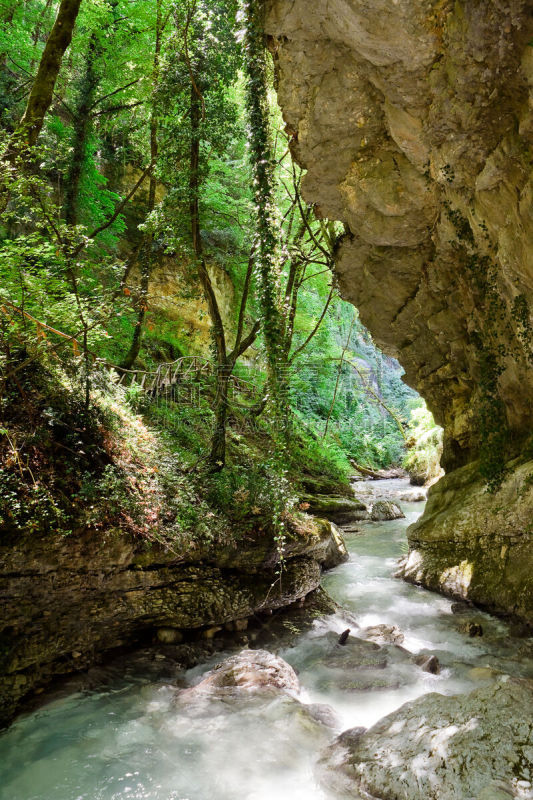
<point>132,741</point>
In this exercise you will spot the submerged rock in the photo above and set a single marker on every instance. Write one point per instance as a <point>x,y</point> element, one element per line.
<point>442,748</point>
<point>385,510</point>
<point>472,628</point>
<point>358,665</point>
<point>461,608</point>
<point>323,714</point>
<point>331,769</point>
<point>414,496</point>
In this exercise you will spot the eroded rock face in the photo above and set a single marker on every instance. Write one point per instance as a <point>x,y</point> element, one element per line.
<point>414,120</point>
<point>65,601</point>
<point>473,545</point>
<point>475,746</point>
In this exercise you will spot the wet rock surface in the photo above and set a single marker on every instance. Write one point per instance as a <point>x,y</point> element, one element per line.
<point>428,663</point>
<point>414,496</point>
<point>250,670</point>
<point>384,634</point>
<point>414,122</point>
<point>385,510</point>
<point>476,546</point>
<point>441,748</point>
<point>246,734</point>
<point>66,602</point>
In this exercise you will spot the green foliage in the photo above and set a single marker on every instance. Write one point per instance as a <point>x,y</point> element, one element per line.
<point>425,446</point>
<point>243,492</point>
<point>359,427</point>
<point>82,453</point>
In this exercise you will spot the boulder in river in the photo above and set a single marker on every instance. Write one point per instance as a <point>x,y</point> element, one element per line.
<point>385,510</point>
<point>384,634</point>
<point>414,496</point>
<point>428,663</point>
<point>336,552</point>
<point>336,508</point>
<point>476,746</point>
<point>249,669</point>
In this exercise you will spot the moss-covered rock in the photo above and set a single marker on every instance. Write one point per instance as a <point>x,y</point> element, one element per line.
<point>475,545</point>
<point>323,485</point>
<point>336,508</point>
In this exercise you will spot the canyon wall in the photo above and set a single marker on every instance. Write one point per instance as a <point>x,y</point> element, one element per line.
<point>71,601</point>
<point>414,122</point>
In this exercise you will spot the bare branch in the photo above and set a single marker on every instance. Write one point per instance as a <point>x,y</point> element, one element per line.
<point>114,216</point>
<point>115,91</point>
<point>112,109</point>
<point>246,343</point>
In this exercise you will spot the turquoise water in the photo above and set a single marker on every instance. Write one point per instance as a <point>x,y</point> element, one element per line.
<point>132,741</point>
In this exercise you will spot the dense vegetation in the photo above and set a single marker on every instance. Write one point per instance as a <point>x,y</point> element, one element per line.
<point>151,212</point>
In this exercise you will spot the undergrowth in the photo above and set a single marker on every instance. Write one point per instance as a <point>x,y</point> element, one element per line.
<point>138,465</point>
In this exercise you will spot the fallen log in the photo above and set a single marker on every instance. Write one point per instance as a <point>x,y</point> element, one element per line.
<point>378,475</point>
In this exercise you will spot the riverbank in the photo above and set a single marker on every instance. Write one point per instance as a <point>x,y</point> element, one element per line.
<point>129,739</point>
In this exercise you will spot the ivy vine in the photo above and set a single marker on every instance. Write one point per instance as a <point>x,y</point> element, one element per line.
<point>268,265</point>
<point>495,340</point>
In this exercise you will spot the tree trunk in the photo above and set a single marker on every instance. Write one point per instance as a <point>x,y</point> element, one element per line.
<point>42,91</point>
<point>217,457</point>
<point>262,163</point>
<point>145,253</point>
<point>82,126</point>
<point>145,261</point>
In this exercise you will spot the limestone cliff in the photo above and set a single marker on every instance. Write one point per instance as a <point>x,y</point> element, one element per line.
<point>414,121</point>
<point>173,298</point>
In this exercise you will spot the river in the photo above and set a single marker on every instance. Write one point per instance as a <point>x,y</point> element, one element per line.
<point>131,741</point>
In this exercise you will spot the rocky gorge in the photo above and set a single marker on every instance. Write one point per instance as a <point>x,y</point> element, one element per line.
<point>418,698</point>
<point>413,120</point>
